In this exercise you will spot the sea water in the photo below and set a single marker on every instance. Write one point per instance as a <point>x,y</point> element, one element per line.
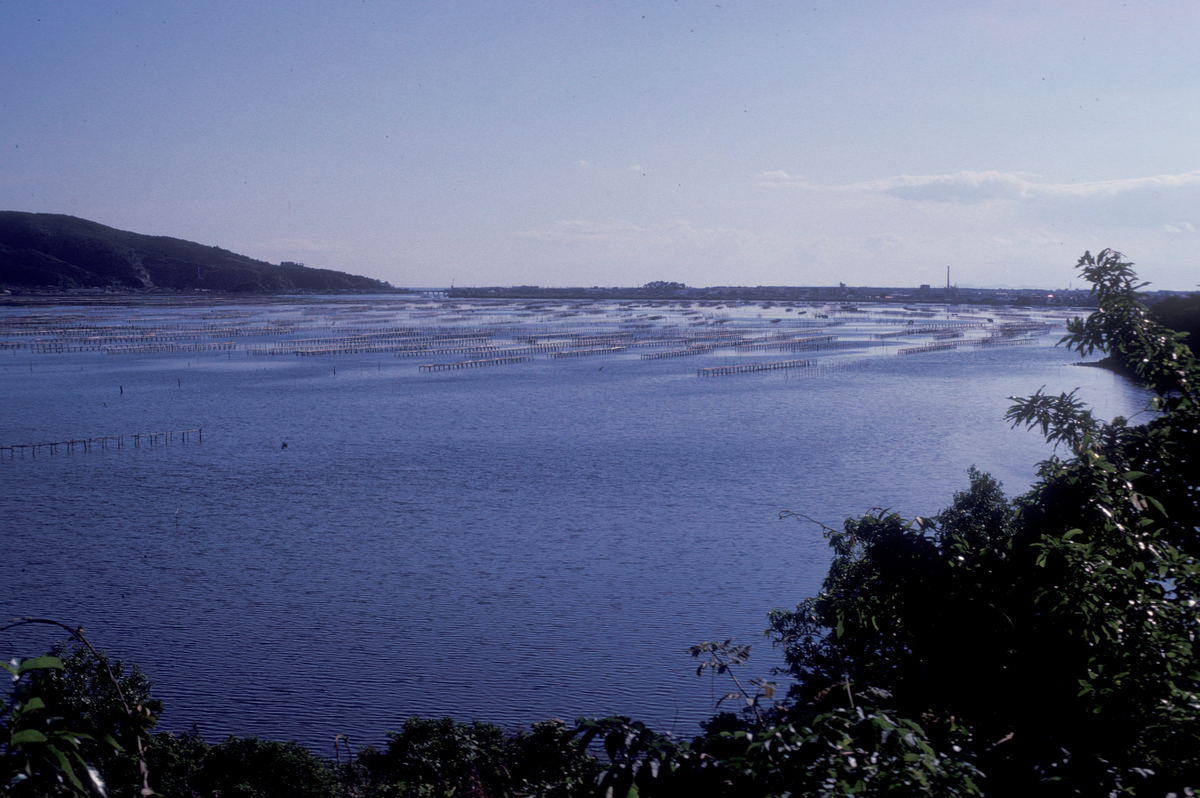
<point>508,544</point>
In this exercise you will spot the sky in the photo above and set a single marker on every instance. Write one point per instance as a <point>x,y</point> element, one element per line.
<point>617,142</point>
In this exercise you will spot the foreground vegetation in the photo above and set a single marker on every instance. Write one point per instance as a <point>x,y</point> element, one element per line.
<point>1041,645</point>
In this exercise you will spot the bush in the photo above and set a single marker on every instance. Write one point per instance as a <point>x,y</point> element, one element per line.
<point>175,762</point>
<point>247,767</point>
<point>445,757</point>
<point>84,698</point>
<point>1059,628</point>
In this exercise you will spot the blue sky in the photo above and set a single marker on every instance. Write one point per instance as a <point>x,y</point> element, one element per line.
<point>614,143</point>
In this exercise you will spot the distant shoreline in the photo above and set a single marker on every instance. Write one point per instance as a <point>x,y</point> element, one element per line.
<point>16,296</point>
<point>839,293</point>
<point>769,295</point>
<point>1110,364</point>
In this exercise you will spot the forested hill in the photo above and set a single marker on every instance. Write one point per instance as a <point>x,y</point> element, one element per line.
<point>54,250</point>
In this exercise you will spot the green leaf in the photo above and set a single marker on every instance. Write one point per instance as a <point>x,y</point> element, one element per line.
<point>64,765</point>
<point>39,662</point>
<point>28,736</point>
<point>73,737</point>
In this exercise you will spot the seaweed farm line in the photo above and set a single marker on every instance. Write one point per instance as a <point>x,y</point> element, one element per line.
<point>470,364</point>
<point>714,371</point>
<point>104,441</point>
<point>513,332</point>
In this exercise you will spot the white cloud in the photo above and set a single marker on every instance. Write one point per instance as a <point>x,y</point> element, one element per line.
<point>960,187</point>
<point>971,187</point>
<point>1135,202</point>
<point>582,163</point>
<point>577,230</point>
<point>881,242</point>
<point>1159,202</point>
<point>631,253</point>
<point>667,235</point>
<point>991,228</point>
<point>782,179</point>
<point>312,252</point>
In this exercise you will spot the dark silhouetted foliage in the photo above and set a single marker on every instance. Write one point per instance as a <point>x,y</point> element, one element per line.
<point>1181,314</point>
<point>1059,629</point>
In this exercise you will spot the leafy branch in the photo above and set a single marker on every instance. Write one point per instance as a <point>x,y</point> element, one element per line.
<point>60,748</point>
<point>722,657</point>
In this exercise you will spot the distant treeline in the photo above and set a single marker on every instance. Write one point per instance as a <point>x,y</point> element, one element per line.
<point>43,250</point>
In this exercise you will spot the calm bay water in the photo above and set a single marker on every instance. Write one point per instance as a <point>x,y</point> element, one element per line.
<point>508,544</point>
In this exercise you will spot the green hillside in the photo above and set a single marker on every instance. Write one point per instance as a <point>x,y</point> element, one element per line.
<point>54,250</point>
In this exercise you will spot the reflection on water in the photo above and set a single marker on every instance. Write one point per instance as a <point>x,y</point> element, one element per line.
<point>505,543</point>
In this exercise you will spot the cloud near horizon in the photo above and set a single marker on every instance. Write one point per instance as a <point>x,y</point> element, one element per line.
<point>970,187</point>
<point>1165,202</point>
<point>674,233</point>
<point>333,254</point>
<point>994,228</point>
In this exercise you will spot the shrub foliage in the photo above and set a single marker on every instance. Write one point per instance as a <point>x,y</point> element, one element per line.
<point>1059,627</point>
